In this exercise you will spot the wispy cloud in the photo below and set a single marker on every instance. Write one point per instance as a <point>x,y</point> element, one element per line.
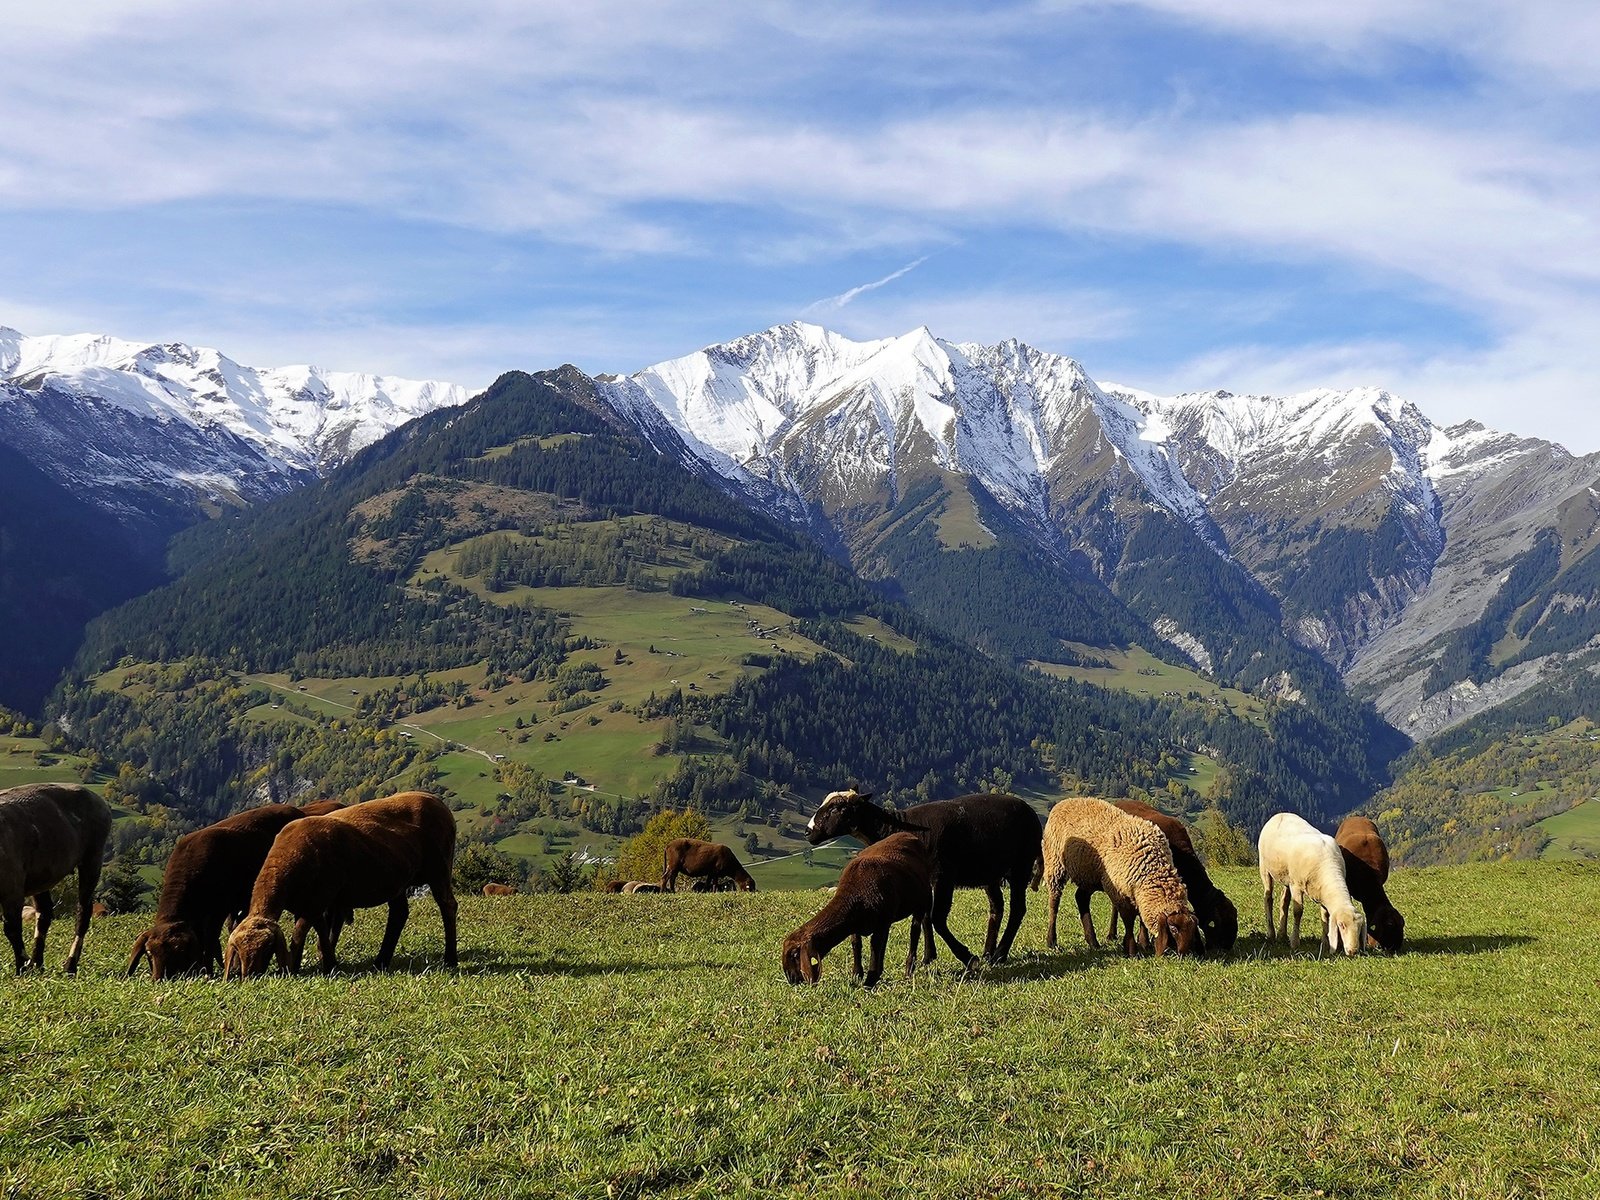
<point>834,303</point>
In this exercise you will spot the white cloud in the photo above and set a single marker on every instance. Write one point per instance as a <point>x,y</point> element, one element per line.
<point>834,303</point>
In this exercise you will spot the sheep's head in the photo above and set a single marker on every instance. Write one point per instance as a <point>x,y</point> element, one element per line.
<point>256,941</point>
<point>839,814</point>
<point>745,884</point>
<point>1347,931</point>
<point>800,962</point>
<point>1180,933</point>
<point>1222,930</point>
<point>174,949</point>
<point>1387,930</point>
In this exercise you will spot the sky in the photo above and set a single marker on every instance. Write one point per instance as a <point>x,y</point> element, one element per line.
<point>1181,194</point>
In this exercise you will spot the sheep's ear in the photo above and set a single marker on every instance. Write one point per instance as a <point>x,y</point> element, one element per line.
<point>138,952</point>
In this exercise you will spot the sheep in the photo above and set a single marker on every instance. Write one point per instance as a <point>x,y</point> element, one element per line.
<point>206,883</point>
<point>973,841</point>
<point>1101,848</point>
<point>702,860</point>
<point>1366,870</point>
<point>47,831</point>
<point>890,879</point>
<point>357,857</point>
<point>499,889</point>
<point>613,886</point>
<point>1219,919</point>
<point>634,886</point>
<point>1308,863</point>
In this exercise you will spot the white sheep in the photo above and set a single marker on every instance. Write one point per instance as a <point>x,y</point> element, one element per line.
<point>1101,848</point>
<point>1308,864</point>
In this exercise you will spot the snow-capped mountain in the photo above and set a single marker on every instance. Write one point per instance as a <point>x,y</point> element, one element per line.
<point>1375,531</point>
<point>126,421</point>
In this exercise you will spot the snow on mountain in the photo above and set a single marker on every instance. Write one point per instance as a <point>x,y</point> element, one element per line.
<point>301,417</point>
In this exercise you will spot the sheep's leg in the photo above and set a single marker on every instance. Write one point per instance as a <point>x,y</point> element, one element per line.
<point>928,948</point>
<point>918,921</point>
<point>855,956</point>
<point>996,907</point>
<point>1144,937</point>
<point>327,927</point>
<point>399,910</point>
<point>88,880</point>
<point>1130,918</point>
<point>1019,906</point>
<point>1111,929</point>
<point>1267,889</point>
<point>1299,911</point>
<point>1055,903</point>
<point>445,897</point>
<point>297,944</point>
<point>880,943</point>
<point>669,880</point>
<point>45,905</point>
<point>943,896</point>
<point>1085,894</point>
<point>13,926</point>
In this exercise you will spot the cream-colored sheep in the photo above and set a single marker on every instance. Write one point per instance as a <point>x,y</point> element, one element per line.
<point>1308,864</point>
<point>1101,848</point>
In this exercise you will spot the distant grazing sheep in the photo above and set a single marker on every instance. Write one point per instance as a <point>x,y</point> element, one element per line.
<point>499,889</point>
<point>1308,864</point>
<point>702,860</point>
<point>889,880</point>
<point>101,910</point>
<point>1366,870</point>
<point>48,831</point>
<point>207,881</point>
<point>1219,919</point>
<point>973,841</point>
<point>1100,848</point>
<point>358,857</point>
<point>614,885</point>
<point>640,885</point>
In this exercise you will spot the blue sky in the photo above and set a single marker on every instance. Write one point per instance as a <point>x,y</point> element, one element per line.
<point>1181,194</point>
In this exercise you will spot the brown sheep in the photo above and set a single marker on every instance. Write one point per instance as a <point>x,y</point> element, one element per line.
<point>207,882</point>
<point>1366,870</point>
<point>891,879</point>
<point>47,831</point>
<point>614,886</point>
<point>358,857</point>
<point>703,860</point>
<point>499,889</point>
<point>1219,919</point>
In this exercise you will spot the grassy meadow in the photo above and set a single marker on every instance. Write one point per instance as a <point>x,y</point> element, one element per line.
<point>628,1046</point>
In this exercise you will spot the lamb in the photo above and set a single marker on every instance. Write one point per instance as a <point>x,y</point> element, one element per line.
<point>1366,870</point>
<point>889,880</point>
<point>1219,919</point>
<point>702,860</point>
<point>499,889</point>
<point>358,857</point>
<point>973,841</point>
<point>1308,863</point>
<point>1101,848</point>
<point>47,831</point>
<point>206,883</point>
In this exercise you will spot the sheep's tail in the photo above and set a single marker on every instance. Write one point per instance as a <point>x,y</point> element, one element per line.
<point>1038,872</point>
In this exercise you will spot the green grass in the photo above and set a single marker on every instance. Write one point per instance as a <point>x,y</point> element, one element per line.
<point>598,1046</point>
<point>1137,670</point>
<point>1574,833</point>
<point>29,760</point>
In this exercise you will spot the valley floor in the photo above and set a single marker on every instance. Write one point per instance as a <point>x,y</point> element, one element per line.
<point>645,1045</point>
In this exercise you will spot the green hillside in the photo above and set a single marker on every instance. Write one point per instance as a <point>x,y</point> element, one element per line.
<point>648,1046</point>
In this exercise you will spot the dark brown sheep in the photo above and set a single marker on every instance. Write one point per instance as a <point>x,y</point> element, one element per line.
<point>888,881</point>
<point>359,857</point>
<point>499,889</point>
<point>703,860</point>
<point>207,882</point>
<point>48,831</point>
<point>1366,870</point>
<point>614,886</point>
<point>1219,919</point>
<point>973,841</point>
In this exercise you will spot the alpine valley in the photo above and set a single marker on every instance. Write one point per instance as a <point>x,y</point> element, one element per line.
<point>786,563</point>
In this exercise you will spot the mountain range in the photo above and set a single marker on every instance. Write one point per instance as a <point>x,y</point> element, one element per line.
<point>1274,542</point>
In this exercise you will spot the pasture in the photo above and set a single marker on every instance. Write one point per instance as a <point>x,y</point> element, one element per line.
<point>627,1046</point>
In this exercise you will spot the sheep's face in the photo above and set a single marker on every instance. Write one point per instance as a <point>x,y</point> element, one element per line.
<point>174,949</point>
<point>1222,931</point>
<point>746,884</point>
<point>840,814</point>
<point>1180,933</point>
<point>251,948</point>
<point>1387,930</point>
<point>800,964</point>
<point>1348,932</point>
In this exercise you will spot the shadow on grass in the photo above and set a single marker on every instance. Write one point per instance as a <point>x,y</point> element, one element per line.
<point>490,962</point>
<point>1310,947</point>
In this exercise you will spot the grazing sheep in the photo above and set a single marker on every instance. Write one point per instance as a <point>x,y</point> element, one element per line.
<point>973,841</point>
<point>703,860</point>
<point>499,889</point>
<point>614,885</point>
<point>1308,864</point>
<point>1366,870</point>
<point>889,880</point>
<point>1101,848</point>
<point>358,857</point>
<point>639,885</point>
<point>206,883</point>
<point>1219,919</point>
<point>47,831</point>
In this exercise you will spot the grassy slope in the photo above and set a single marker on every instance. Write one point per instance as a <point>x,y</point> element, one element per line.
<point>1574,833</point>
<point>599,1046</point>
<point>28,760</point>
<point>1138,671</point>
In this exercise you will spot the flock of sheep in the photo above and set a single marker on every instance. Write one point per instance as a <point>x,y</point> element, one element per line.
<point>322,861</point>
